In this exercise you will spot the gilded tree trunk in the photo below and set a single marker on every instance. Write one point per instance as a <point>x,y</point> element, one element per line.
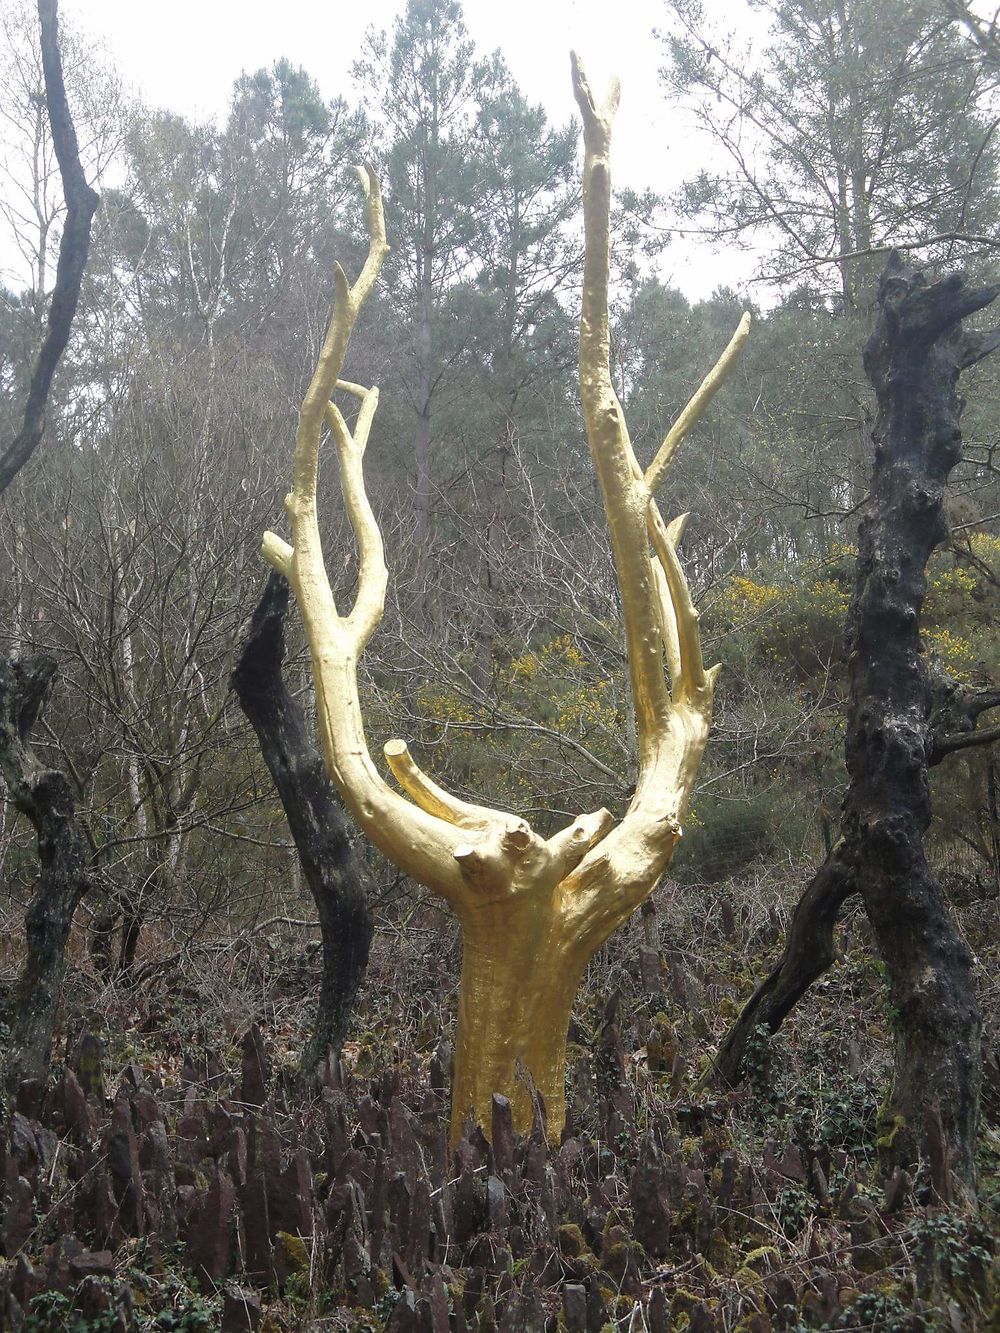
<point>517,990</point>
<point>532,909</point>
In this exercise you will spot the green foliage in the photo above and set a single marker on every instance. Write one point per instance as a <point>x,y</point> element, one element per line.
<point>794,1206</point>
<point>725,836</point>
<point>817,102</point>
<point>197,1315</point>
<point>951,1249</point>
<point>799,625</point>
<point>550,703</point>
<point>56,1312</point>
<point>758,1059</point>
<point>825,1107</point>
<point>842,1113</point>
<point>53,1312</point>
<point>879,1311</point>
<point>168,1298</point>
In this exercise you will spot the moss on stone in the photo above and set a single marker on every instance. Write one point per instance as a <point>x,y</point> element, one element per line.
<point>572,1242</point>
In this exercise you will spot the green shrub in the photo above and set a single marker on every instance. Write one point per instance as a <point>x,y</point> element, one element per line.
<point>723,837</point>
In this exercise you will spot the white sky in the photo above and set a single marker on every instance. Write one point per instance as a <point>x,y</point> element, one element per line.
<point>185,55</point>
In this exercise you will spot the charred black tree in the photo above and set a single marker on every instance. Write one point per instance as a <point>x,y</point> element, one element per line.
<point>809,950</point>
<point>913,360</point>
<point>81,205</point>
<point>44,796</point>
<point>334,871</point>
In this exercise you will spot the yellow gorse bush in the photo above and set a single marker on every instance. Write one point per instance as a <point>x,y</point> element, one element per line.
<point>443,705</point>
<point>986,547</point>
<point>945,589</point>
<point>578,686</point>
<point>560,652</point>
<point>956,654</point>
<point>826,598</point>
<point>743,600</point>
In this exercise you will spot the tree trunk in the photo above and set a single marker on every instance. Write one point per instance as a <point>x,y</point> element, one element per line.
<point>809,951</point>
<point>519,980</point>
<point>44,796</point>
<point>425,340</point>
<point>913,359</point>
<point>333,870</point>
<point>81,204</point>
<point>422,430</point>
<point>994,818</point>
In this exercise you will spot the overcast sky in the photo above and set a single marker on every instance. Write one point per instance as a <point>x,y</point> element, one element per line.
<point>186,54</point>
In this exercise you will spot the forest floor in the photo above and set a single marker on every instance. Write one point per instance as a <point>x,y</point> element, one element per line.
<point>174,1178</point>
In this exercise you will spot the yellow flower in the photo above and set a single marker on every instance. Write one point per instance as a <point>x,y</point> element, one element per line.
<point>987,548</point>
<point>742,599</point>
<point>954,653</point>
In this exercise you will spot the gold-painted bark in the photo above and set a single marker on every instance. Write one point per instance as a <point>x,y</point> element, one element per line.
<point>532,910</point>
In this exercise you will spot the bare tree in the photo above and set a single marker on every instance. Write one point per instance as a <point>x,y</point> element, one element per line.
<point>81,204</point>
<point>44,796</point>
<point>140,544</point>
<point>914,359</point>
<point>333,869</point>
<point>532,910</point>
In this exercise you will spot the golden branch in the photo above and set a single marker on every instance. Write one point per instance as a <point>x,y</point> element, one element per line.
<point>426,793</point>
<point>659,614</point>
<point>420,843</point>
<point>698,404</point>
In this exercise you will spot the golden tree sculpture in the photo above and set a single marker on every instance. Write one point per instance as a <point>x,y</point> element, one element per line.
<point>532,910</point>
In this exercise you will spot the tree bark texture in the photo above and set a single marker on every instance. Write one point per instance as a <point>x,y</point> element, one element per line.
<point>44,796</point>
<point>913,360</point>
<point>81,205</point>
<point>334,871</point>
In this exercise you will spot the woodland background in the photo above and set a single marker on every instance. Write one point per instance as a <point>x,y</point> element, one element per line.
<point>131,539</point>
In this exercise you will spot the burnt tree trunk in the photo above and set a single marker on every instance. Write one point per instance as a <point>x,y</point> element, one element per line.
<point>809,951</point>
<point>81,204</point>
<point>44,796</point>
<point>913,359</point>
<point>334,871</point>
